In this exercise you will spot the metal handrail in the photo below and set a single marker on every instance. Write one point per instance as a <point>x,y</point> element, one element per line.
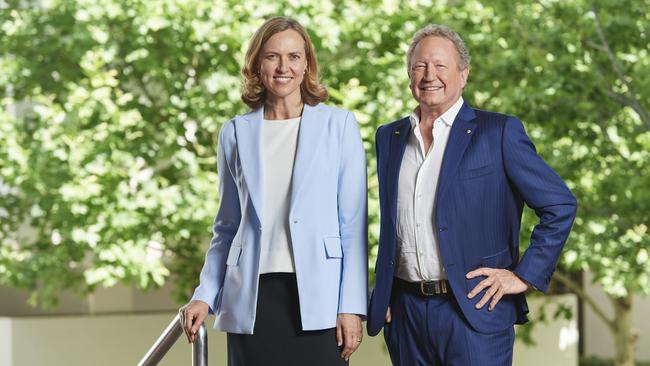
<point>167,339</point>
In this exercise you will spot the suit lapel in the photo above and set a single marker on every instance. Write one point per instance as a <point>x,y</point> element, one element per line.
<point>398,139</point>
<point>461,133</point>
<point>249,130</point>
<point>311,133</point>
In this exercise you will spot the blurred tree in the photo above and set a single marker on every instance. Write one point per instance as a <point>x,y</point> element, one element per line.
<point>581,81</point>
<point>111,109</point>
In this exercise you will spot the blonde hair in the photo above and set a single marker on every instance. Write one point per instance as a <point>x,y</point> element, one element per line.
<point>442,31</point>
<point>253,92</point>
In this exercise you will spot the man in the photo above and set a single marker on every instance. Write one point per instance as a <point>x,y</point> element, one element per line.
<point>452,184</point>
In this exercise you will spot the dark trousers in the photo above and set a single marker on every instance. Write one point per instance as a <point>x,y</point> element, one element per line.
<point>278,338</point>
<point>431,331</point>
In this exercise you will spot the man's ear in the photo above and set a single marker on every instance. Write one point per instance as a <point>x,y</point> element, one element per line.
<point>463,76</point>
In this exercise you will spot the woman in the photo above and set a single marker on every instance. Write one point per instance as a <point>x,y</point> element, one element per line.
<point>286,271</point>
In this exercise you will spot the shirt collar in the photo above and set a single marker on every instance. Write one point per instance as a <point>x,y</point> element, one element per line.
<point>447,118</point>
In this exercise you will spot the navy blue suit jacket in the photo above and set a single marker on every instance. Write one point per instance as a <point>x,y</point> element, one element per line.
<point>490,169</point>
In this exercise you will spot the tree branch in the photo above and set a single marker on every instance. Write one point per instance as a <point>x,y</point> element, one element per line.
<point>618,97</point>
<point>633,101</point>
<point>582,294</point>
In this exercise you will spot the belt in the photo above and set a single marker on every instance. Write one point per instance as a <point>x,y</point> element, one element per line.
<point>424,288</point>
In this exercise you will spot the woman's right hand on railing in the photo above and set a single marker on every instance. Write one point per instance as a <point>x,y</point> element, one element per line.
<point>192,316</point>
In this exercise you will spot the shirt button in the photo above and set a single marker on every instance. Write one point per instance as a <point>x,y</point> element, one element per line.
<point>295,221</point>
<point>418,224</point>
<point>260,228</point>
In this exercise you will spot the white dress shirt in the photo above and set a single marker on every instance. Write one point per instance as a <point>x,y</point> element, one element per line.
<point>418,257</point>
<point>280,141</point>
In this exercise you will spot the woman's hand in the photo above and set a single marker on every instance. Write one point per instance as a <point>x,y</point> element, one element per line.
<point>348,333</point>
<point>192,316</point>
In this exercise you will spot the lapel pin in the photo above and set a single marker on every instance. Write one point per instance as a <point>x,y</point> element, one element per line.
<point>397,132</point>
<point>468,131</point>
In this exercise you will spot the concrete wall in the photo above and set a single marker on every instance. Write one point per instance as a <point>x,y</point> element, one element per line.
<point>6,342</point>
<point>597,337</point>
<point>122,339</point>
<point>118,299</point>
<point>110,340</point>
<point>556,341</point>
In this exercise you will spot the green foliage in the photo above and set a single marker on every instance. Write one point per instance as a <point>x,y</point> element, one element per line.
<point>110,111</point>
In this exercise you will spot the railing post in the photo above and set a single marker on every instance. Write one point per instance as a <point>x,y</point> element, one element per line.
<point>167,339</point>
<point>200,348</point>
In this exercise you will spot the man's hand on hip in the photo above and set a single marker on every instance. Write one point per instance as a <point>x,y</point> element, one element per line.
<point>499,282</point>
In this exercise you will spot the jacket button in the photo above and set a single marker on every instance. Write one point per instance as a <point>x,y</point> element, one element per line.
<point>392,263</point>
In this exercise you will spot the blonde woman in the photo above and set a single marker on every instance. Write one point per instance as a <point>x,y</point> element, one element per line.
<point>286,271</point>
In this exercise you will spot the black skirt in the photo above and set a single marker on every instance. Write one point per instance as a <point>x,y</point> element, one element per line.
<point>278,338</point>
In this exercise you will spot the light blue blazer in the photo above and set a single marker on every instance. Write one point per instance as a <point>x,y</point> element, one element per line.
<point>327,219</point>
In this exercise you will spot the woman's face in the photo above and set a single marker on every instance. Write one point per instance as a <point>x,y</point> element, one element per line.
<point>283,64</point>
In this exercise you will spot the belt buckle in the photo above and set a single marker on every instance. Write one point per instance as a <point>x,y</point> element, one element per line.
<point>426,285</point>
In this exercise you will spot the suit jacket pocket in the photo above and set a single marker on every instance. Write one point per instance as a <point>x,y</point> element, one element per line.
<point>476,172</point>
<point>501,259</point>
<point>233,255</point>
<point>333,247</point>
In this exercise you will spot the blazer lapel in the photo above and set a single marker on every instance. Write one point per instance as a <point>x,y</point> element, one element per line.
<point>249,132</point>
<point>398,139</point>
<point>310,135</point>
<point>460,135</point>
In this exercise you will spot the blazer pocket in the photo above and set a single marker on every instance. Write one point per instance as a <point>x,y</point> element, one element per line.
<point>501,259</point>
<point>233,255</point>
<point>476,172</point>
<point>333,247</point>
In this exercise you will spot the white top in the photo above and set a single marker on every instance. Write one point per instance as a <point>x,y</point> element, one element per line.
<point>280,141</point>
<point>418,256</point>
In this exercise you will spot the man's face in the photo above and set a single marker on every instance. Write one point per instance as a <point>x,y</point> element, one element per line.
<point>436,80</point>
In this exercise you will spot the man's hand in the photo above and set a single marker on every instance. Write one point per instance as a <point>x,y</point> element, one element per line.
<point>348,334</point>
<point>499,282</point>
<point>192,316</point>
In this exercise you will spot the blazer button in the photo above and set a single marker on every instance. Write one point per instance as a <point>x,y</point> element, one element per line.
<point>392,263</point>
